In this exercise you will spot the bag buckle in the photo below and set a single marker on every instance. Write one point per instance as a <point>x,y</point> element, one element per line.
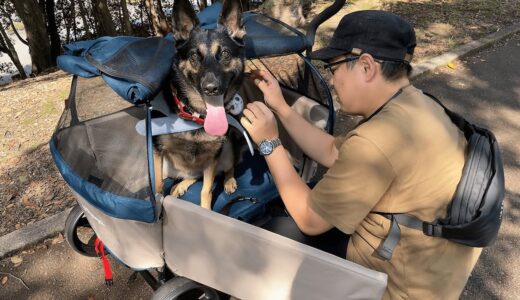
<point>432,229</point>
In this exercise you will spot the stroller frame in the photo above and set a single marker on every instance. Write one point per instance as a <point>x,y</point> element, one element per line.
<point>282,269</point>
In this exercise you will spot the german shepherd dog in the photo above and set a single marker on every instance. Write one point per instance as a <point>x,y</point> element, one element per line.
<point>207,72</point>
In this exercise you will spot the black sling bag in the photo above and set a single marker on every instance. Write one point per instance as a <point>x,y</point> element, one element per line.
<point>475,212</point>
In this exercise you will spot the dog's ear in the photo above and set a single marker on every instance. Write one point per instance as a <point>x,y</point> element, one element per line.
<point>230,17</point>
<point>184,20</point>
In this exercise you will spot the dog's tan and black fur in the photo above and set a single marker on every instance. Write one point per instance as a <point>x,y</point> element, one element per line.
<point>208,63</point>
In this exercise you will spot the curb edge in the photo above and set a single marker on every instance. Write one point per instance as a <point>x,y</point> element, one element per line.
<point>424,67</point>
<point>32,234</point>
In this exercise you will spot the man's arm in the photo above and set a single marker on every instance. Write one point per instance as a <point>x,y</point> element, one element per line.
<point>317,144</point>
<point>295,194</point>
<point>260,122</point>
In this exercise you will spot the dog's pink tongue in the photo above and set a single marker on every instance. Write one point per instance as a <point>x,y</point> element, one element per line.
<point>216,121</point>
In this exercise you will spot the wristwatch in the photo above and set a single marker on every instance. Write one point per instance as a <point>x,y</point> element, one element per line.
<point>266,147</point>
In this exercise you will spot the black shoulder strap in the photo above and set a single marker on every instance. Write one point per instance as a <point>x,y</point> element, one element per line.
<point>386,249</point>
<point>459,121</point>
<point>430,229</point>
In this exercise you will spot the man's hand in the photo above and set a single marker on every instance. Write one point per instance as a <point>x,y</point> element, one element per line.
<point>269,86</point>
<point>259,122</point>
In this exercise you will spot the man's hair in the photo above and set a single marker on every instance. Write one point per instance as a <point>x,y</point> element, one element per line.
<point>391,70</point>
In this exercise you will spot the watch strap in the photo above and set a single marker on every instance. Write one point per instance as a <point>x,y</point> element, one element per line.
<point>275,142</point>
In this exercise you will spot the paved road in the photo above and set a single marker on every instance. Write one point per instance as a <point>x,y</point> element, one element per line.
<point>485,88</point>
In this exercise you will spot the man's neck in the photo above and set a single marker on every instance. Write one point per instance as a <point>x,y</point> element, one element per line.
<point>383,93</point>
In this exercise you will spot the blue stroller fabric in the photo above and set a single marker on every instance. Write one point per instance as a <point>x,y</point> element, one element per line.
<point>265,36</point>
<point>256,188</point>
<point>136,67</point>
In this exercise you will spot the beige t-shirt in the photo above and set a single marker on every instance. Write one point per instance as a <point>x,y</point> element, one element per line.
<point>407,158</point>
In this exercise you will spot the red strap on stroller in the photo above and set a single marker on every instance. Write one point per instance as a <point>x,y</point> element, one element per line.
<point>100,250</point>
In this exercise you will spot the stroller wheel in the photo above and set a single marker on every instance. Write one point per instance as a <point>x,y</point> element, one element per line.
<point>79,234</point>
<point>182,288</point>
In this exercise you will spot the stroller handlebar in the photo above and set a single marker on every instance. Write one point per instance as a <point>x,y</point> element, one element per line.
<point>319,19</point>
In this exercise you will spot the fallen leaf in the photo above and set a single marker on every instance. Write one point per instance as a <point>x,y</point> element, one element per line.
<point>4,280</point>
<point>16,260</point>
<point>452,66</point>
<point>27,202</point>
<point>58,240</point>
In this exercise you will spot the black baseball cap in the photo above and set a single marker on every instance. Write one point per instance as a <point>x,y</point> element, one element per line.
<point>382,34</point>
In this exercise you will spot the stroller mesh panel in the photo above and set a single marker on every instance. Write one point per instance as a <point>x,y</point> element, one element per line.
<point>289,70</point>
<point>95,99</point>
<point>103,147</point>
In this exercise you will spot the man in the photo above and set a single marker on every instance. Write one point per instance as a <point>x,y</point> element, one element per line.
<point>405,156</point>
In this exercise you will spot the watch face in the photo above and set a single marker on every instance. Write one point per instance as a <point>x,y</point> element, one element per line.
<point>266,147</point>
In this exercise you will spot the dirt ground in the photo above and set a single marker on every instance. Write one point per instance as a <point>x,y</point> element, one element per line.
<point>30,186</point>
<point>32,189</point>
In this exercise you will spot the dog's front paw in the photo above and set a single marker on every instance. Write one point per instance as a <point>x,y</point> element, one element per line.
<point>178,191</point>
<point>180,188</point>
<point>230,186</point>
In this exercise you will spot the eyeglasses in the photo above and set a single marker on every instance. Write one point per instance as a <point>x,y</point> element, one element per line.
<point>332,67</point>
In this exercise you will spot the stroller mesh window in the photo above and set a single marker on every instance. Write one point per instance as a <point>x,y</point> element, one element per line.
<point>290,72</point>
<point>95,99</point>
<point>98,140</point>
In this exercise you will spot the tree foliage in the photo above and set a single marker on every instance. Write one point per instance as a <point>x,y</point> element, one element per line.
<point>49,24</point>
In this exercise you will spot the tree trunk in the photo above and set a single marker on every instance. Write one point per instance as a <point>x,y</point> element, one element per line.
<point>73,19</point>
<point>84,14</point>
<point>7,47</point>
<point>16,31</point>
<point>53,30</point>
<point>104,23</point>
<point>126,19</point>
<point>149,17</point>
<point>161,26</point>
<point>33,21</point>
<point>66,17</point>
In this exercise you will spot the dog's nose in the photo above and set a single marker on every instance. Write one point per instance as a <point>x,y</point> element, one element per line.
<point>210,89</point>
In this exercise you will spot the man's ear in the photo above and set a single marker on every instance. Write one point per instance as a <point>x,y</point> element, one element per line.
<point>369,66</point>
<point>231,19</point>
<point>184,20</point>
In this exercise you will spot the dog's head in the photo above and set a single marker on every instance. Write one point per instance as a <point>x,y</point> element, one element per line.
<point>209,64</point>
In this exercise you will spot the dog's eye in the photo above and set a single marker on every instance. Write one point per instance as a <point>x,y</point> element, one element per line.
<point>225,55</point>
<point>195,58</point>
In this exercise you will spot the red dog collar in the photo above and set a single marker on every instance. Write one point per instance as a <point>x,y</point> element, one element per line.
<point>185,111</point>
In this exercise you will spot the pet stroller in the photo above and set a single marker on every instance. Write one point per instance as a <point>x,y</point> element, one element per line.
<point>102,147</point>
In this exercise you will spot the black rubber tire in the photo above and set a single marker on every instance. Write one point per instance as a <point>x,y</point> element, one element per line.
<point>182,288</point>
<point>75,220</point>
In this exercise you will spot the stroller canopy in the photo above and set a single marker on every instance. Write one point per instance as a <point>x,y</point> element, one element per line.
<point>136,67</point>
